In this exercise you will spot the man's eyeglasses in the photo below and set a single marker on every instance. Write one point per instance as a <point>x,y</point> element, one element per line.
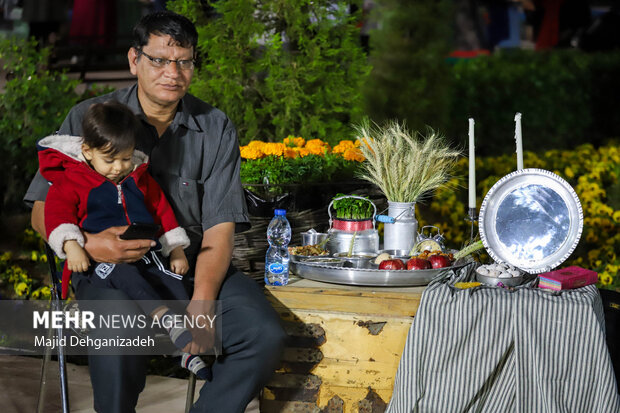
<point>160,62</point>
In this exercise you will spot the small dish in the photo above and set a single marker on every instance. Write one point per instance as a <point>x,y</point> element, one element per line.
<point>331,261</point>
<point>400,254</point>
<point>494,281</point>
<point>493,274</point>
<point>357,260</point>
<point>312,237</point>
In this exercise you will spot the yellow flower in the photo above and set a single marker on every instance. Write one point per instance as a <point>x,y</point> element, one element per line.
<point>317,147</point>
<point>22,289</point>
<point>291,153</point>
<point>353,154</point>
<point>302,152</point>
<point>292,141</point>
<point>605,279</point>
<point>6,256</point>
<point>603,209</point>
<point>343,146</point>
<point>569,172</point>
<point>591,237</point>
<point>251,152</point>
<point>274,148</point>
<point>616,217</point>
<point>256,144</point>
<point>593,255</point>
<point>41,293</point>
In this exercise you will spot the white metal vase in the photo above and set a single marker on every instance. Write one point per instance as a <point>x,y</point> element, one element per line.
<point>403,233</point>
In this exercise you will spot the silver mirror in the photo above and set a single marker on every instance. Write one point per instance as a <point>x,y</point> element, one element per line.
<point>531,219</point>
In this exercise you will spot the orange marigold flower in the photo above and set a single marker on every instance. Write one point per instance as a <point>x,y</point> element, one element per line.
<point>248,152</point>
<point>292,141</point>
<point>302,152</point>
<point>343,146</point>
<point>274,148</point>
<point>256,144</point>
<point>290,153</point>
<point>353,154</point>
<point>316,150</point>
<point>317,147</point>
<point>316,142</point>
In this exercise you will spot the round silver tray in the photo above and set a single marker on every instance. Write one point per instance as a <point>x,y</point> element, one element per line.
<point>531,219</point>
<point>365,276</point>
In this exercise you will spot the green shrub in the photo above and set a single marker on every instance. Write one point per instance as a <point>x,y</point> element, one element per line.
<point>33,104</point>
<point>567,98</point>
<point>279,67</point>
<point>410,78</point>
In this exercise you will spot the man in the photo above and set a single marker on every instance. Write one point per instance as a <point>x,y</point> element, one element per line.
<point>195,158</point>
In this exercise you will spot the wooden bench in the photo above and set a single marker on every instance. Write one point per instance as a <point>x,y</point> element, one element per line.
<point>344,348</point>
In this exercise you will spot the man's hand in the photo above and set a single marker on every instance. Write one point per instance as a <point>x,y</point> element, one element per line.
<point>211,267</point>
<point>106,246</point>
<point>203,332</point>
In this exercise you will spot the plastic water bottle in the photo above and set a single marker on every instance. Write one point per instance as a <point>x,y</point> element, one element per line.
<point>276,260</point>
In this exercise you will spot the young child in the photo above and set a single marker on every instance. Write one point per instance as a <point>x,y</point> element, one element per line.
<point>100,181</point>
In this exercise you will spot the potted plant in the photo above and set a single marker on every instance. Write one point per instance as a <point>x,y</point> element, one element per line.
<point>352,212</point>
<point>296,173</point>
<point>406,167</point>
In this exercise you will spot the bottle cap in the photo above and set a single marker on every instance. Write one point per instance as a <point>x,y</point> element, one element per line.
<point>279,212</point>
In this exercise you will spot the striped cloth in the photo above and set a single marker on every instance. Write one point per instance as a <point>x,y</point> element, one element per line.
<point>488,349</point>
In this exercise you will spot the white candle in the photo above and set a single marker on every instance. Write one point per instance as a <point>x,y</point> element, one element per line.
<point>472,166</point>
<point>519,140</point>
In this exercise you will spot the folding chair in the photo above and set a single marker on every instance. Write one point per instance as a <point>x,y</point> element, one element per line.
<point>56,305</point>
<point>56,276</point>
<point>191,388</point>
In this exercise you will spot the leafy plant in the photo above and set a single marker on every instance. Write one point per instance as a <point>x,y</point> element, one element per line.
<point>542,86</point>
<point>279,66</point>
<point>33,104</point>
<point>276,170</point>
<point>295,161</point>
<point>405,166</point>
<point>15,281</point>
<point>410,79</point>
<point>352,208</point>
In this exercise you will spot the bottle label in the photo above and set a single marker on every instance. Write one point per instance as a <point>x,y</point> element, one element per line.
<point>276,268</point>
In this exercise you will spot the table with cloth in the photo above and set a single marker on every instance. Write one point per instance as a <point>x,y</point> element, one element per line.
<point>492,349</point>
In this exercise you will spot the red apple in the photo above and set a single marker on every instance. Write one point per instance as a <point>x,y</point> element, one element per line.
<point>394,264</point>
<point>439,261</point>
<point>418,264</point>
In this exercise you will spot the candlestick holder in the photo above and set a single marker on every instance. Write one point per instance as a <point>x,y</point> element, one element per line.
<point>472,218</point>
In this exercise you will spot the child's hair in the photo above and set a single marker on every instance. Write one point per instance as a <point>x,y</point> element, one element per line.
<point>110,127</point>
